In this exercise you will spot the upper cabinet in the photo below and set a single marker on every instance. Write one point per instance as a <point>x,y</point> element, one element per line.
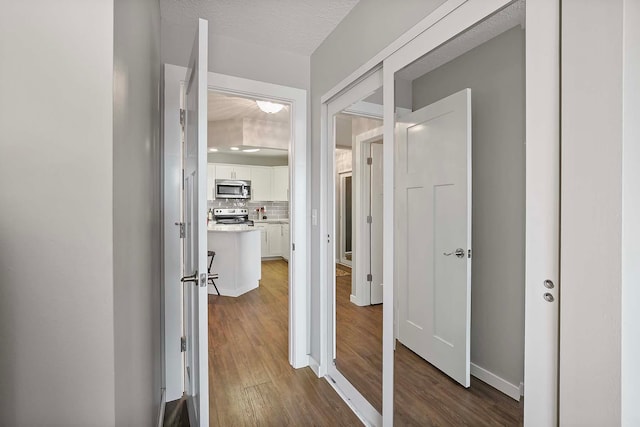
<point>233,172</point>
<point>261,181</point>
<point>280,187</point>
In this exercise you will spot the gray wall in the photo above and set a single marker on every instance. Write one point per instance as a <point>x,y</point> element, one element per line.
<point>56,174</point>
<point>136,211</point>
<point>495,73</point>
<point>366,30</point>
<point>237,58</point>
<point>591,200</point>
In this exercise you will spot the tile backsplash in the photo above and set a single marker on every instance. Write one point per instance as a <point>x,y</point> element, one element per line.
<point>273,210</point>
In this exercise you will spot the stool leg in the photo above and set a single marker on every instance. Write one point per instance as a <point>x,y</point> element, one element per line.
<point>214,285</point>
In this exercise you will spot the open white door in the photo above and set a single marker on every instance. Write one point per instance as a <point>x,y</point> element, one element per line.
<point>375,226</point>
<point>434,233</point>
<point>194,157</point>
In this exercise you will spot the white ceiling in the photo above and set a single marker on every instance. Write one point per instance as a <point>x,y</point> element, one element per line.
<point>227,107</point>
<point>297,26</point>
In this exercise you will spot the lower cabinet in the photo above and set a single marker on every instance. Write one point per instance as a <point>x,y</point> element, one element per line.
<point>274,240</point>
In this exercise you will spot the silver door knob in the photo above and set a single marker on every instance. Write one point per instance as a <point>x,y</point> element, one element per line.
<point>192,278</point>
<point>458,252</point>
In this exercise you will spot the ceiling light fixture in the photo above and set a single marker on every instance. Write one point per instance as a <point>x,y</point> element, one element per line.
<point>269,107</point>
<point>213,150</point>
<point>251,150</point>
<point>233,148</point>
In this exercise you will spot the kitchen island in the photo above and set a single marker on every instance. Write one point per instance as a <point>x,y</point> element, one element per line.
<point>237,261</point>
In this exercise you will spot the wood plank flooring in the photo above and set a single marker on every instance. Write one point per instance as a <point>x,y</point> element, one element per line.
<point>424,396</point>
<point>250,380</point>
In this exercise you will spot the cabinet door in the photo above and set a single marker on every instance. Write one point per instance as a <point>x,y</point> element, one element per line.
<point>261,178</point>
<point>274,237</point>
<point>211,181</point>
<point>224,172</point>
<point>264,242</point>
<point>242,172</point>
<point>280,187</point>
<point>285,241</point>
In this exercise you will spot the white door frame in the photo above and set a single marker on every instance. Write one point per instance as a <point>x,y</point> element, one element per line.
<point>361,182</point>
<point>542,186</point>
<point>298,183</point>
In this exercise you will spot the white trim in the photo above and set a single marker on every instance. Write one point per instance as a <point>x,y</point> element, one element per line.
<point>347,401</point>
<point>234,292</point>
<point>500,384</point>
<point>342,257</point>
<point>315,366</point>
<point>298,263</point>
<point>163,405</point>
<point>440,12</point>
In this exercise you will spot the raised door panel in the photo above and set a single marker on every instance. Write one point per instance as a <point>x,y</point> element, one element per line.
<point>280,187</point>
<point>264,240</point>
<point>285,241</point>
<point>261,179</point>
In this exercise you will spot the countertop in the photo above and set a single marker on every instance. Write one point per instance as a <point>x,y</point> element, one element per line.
<point>271,221</point>
<point>226,228</point>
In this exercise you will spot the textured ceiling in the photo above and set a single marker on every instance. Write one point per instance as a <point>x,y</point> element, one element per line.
<point>491,27</point>
<point>297,26</point>
<point>227,107</point>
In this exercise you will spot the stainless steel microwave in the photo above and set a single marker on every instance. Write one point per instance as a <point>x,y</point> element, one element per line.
<point>233,189</point>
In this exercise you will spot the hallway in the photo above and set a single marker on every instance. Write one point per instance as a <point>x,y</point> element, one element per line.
<point>250,379</point>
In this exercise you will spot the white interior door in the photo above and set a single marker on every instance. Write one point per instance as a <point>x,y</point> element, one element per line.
<point>375,227</point>
<point>195,239</point>
<point>434,233</point>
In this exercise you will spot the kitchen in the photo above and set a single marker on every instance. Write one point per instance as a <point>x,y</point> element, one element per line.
<point>247,191</point>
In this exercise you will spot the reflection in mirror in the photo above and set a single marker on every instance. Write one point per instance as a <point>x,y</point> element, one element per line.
<point>358,292</point>
<point>459,357</point>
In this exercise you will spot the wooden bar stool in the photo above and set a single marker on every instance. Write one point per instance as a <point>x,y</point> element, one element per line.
<point>211,276</point>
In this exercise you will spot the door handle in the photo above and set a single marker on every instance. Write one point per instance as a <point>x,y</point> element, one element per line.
<point>191,278</point>
<point>458,252</point>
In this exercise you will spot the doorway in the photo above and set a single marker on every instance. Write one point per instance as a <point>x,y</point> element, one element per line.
<point>435,36</point>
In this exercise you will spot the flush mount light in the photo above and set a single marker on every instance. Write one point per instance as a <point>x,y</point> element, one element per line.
<point>251,150</point>
<point>213,150</point>
<point>269,107</point>
<point>233,148</point>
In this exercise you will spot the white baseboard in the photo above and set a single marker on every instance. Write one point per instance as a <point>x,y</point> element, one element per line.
<point>232,292</point>
<point>356,301</point>
<point>163,404</point>
<point>511,390</point>
<point>315,366</point>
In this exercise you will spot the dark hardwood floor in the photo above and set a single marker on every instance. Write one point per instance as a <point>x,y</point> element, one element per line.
<point>250,380</point>
<point>424,396</point>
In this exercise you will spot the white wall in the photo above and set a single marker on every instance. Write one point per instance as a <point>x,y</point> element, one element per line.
<point>495,73</point>
<point>136,212</point>
<point>236,57</point>
<point>56,247</point>
<point>366,30</point>
<point>631,217</point>
<point>591,212</point>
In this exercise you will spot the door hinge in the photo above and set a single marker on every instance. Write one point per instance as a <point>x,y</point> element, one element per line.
<point>183,114</point>
<point>182,233</point>
<point>369,160</point>
<point>183,344</point>
<point>293,246</point>
<point>369,219</point>
<point>369,277</point>
<point>469,253</point>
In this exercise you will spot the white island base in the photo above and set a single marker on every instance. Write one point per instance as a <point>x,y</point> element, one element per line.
<point>237,261</point>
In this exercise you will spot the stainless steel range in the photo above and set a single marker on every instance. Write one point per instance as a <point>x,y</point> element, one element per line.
<point>232,216</point>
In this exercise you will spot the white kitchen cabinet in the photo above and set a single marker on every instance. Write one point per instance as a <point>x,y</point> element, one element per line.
<point>264,243</point>
<point>211,181</point>
<point>286,246</point>
<point>232,172</point>
<point>280,185</point>
<point>261,180</point>
<point>274,237</point>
